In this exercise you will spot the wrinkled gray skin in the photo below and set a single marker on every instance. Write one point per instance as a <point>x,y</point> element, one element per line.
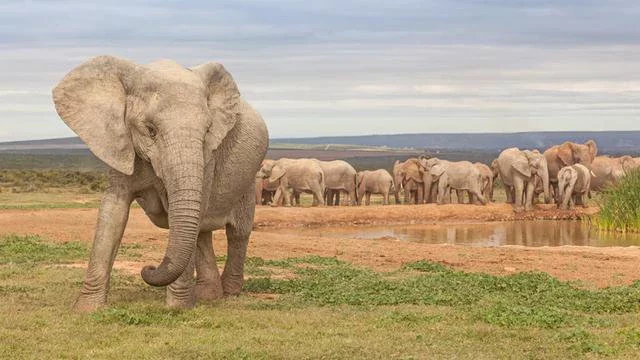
<point>568,153</point>
<point>518,169</point>
<point>457,175</point>
<point>574,183</point>
<point>375,182</point>
<point>608,170</point>
<point>338,176</point>
<point>186,147</point>
<point>295,176</point>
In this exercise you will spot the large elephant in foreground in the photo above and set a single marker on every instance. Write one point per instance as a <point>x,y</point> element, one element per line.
<point>375,182</point>
<point>608,170</point>
<point>518,169</point>
<point>295,176</point>
<point>568,153</point>
<point>186,147</point>
<point>453,175</point>
<point>339,176</point>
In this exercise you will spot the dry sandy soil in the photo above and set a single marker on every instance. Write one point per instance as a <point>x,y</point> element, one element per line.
<point>592,267</point>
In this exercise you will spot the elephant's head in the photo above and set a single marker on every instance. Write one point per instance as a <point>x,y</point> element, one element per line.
<point>495,169</point>
<point>570,153</point>
<point>169,116</point>
<point>628,164</point>
<point>533,163</point>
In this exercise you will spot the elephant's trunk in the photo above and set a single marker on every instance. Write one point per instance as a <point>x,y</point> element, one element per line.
<point>183,180</point>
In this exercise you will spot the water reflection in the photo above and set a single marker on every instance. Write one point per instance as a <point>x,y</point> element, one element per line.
<point>524,233</point>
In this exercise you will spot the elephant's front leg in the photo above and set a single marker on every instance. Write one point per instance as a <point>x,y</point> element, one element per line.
<point>112,219</point>
<point>181,293</point>
<point>528,202</point>
<point>238,232</point>
<point>208,283</point>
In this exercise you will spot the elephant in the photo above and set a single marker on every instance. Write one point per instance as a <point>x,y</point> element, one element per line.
<point>185,146</point>
<point>265,191</point>
<point>375,182</point>
<point>608,170</point>
<point>410,176</point>
<point>294,176</point>
<point>457,175</point>
<point>338,176</point>
<point>568,153</point>
<point>574,182</point>
<point>518,169</point>
<point>487,180</point>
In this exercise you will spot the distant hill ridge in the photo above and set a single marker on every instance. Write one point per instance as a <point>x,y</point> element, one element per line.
<point>608,141</point>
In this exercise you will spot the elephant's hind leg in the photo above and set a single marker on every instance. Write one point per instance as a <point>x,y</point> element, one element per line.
<point>208,282</point>
<point>238,231</point>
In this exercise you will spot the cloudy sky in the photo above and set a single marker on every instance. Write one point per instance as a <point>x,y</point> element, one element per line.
<point>348,67</point>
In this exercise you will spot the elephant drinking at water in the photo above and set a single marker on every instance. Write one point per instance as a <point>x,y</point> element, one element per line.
<point>186,147</point>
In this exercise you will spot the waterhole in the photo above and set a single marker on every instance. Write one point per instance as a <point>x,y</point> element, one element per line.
<point>524,233</point>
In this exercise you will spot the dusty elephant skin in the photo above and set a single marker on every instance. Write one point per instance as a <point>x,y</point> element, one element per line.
<point>186,147</point>
<point>519,170</point>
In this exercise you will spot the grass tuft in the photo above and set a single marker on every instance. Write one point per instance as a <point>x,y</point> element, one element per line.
<point>620,205</point>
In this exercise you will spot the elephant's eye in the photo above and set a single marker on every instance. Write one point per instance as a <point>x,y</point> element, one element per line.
<point>152,131</point>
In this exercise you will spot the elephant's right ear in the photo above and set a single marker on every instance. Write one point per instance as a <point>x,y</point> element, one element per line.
<point>437,170</point>
<point>223,98</point>
<point>91,101</point>
<point>565,153</point>
<point>276,173</point>
<point>522,166</point>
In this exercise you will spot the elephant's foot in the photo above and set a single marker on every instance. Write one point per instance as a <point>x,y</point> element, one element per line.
<point>181,298</point>
<point>208,291</point>
<point>518,209</point>
<point>232,284</point>
<point>88,303</point>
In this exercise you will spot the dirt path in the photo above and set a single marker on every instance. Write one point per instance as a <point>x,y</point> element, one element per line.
<point>591,266</point>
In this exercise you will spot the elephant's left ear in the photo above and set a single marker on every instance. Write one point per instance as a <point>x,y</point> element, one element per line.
<point>522,166</point>
<point>223,98</point>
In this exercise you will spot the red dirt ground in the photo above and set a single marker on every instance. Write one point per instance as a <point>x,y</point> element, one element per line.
<point>592,267</point>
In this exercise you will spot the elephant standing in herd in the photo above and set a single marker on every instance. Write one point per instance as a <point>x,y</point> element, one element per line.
<point>487,177</point>
<point>574,183</point>
<point>518,169</point>
<point>375,182</point>
<point>294,176</point>
<point>608,170</point>
<point>456,175</point>
<point>184,145</point>
<point>339,176</point>
<point>265,191</point>
<point>568,153</point>
<point>410,175</point>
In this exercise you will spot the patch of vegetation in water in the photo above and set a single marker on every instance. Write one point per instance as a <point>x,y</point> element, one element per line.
<point>620,205</point>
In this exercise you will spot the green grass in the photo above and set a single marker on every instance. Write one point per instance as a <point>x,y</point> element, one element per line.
<point>32,249</point>
<point>323,308</point>
<point>620,205</point>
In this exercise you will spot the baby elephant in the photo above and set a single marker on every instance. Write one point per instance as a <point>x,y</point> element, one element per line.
<point>574,183</point>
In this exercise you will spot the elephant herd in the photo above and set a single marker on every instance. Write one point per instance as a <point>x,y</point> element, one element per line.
<point>565,174</point>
